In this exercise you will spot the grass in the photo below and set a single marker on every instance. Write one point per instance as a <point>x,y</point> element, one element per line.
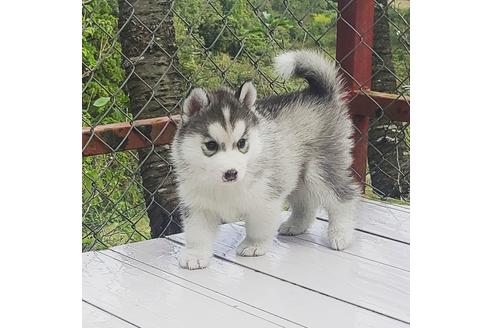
<point>369,194</point>
<point>116,233</point>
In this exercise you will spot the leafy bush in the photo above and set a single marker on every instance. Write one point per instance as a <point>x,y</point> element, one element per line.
<point>103,100</point>
<point>113,209</point>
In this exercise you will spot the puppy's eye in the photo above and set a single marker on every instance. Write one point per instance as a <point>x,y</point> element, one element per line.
<point>212,146</point>
<point>241,143</point>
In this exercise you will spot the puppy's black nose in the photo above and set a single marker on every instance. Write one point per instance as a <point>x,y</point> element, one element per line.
<point>230,175</point>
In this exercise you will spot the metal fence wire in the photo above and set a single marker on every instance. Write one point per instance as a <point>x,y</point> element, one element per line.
<point>142,57</point>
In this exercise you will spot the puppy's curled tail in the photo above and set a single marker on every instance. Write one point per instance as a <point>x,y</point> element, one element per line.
<point>320,73</point>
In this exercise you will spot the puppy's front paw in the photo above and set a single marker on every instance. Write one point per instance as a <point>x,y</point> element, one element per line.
<point>247,248</point>
<point>340,238</point>
<point>193,260</point>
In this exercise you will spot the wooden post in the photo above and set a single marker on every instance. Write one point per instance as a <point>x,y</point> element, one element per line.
<point>354,43</point>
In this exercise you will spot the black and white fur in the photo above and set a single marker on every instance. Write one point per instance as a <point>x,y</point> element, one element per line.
<point>294,147</point>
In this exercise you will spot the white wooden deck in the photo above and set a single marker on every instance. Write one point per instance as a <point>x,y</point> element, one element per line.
<point>299,283</point>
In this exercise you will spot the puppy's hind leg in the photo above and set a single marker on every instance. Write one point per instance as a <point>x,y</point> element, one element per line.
<point>341,221</point>
<point>341,195</point>
<point>304,204</point>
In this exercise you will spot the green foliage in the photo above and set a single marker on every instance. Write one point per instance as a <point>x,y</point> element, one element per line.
<point>102,72</point>
<point>400,45</point>
<point>226,42</point>
<point>113,207</point>
<point>110,192</point>
<point>100,102</point>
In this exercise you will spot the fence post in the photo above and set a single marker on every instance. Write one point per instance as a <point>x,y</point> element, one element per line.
<point>354,42</point>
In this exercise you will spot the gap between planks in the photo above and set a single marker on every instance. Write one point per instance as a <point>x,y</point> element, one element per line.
<point>151,292</point>
<point>243,284</point>
<point>94,316</point>
<point>370,285</point>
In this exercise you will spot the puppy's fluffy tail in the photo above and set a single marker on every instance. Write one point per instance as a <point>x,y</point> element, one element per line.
<point>320,73</point>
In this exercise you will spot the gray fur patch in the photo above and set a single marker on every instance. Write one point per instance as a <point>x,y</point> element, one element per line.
<point>218,100</point>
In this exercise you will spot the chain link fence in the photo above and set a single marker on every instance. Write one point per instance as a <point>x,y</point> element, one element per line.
<point>141,58</point>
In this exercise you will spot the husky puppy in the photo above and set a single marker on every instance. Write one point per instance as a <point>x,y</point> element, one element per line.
<point>239,158</point>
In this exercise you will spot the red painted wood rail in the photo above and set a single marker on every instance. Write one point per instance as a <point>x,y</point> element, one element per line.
<point>375,104</point>
<point>105,139</point>
<point>138,134</point>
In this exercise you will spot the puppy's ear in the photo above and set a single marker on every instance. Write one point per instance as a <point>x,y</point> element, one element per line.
<point>247,94</point>
<point>196,102</point>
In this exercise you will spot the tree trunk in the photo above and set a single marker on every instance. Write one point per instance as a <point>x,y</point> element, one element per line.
<point>388,151</point>
<point>155,88</point>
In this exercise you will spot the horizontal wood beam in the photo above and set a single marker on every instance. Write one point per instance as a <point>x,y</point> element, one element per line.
<point>138,134</point>
<point>104,139</point>
<point>373,104</point>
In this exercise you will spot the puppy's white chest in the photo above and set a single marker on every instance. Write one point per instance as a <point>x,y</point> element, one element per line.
<point>231,204</point>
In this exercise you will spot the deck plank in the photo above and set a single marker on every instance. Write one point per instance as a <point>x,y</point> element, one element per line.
<point>371,285</point>
<point>295,305</point>
<point>365,245</point>
<point>93,317</point>
<point>299,283</point>
<point>397,207</point>
<point>147,300</point>
<point>390,221</point>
